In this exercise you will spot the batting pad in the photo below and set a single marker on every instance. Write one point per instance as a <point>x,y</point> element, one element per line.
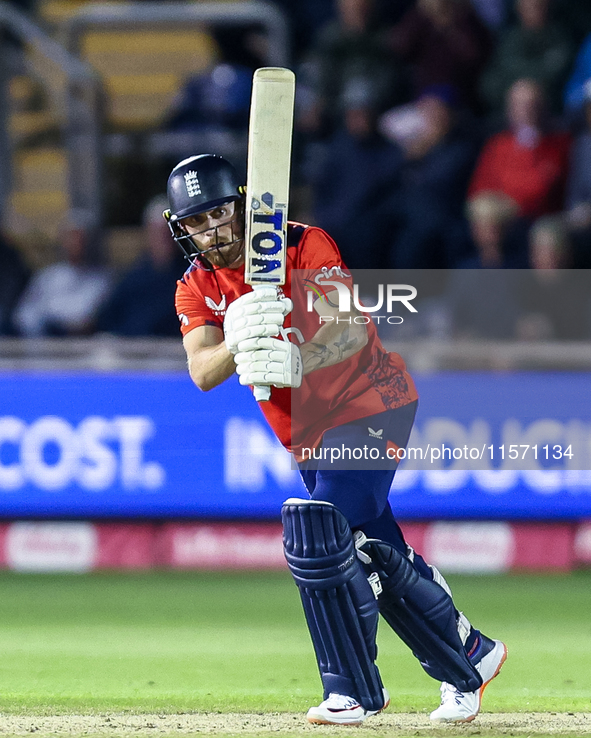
<point>339,604</point>
<point>422,614</point>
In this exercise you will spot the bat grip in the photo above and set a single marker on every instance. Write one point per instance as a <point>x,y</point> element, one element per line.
<point>262,393</point>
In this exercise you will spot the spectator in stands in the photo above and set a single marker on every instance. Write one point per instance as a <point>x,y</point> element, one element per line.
<point>347,51</point>
<point>62,299</point>
<point>554,299</point>
<point>492,12</point>
<point>427,210</point>
<point>142,302</point>
<point>528,162</point>
<point>575,91</point>
<point>535,48</point>
<point>481,294</point>
<point>549,244</point>
<point>579,175</point>
<point>305,19</point>
<point>357,170</point>
<point>578,194</point>
<point>13,278</point>
<point>216,99</point>
<point>493,219</point>
<point>445,42</point>
<point>548,301</point>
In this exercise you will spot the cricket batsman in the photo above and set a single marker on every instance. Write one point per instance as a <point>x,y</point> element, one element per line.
<point>332,385</point>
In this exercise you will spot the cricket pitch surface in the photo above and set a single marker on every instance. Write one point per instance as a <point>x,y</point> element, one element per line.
<point>244,724</point>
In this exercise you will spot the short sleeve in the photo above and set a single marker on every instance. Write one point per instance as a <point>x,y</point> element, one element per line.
<point>318,250</point>
<point>319,266</point>
<point>192,310</point>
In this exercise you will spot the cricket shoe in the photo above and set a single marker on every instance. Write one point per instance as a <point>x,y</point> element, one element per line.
<point>462,707</point>
<point>339,709</point>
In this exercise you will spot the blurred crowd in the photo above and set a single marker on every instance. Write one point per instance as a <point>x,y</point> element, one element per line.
<point>429,134</point>
<point>78,295</point>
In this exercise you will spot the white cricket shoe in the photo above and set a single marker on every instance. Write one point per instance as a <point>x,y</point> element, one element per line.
<point>339,709</point>
<point>462,707</point>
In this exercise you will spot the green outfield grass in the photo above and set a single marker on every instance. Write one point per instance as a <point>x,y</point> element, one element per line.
<point>174,642</point>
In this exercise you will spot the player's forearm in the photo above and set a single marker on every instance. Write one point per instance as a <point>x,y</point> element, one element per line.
<point>333,343</point>
<point>211,366</point>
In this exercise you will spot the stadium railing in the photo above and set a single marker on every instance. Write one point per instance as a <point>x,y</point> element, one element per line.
<point>80,106</point>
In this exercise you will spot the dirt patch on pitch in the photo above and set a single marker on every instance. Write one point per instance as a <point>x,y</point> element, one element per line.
<point>393,725</point>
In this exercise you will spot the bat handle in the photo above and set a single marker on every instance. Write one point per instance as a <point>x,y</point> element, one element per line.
<point>262,393</point>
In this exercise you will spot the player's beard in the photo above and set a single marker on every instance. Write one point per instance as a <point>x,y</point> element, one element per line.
<point>230,255</point>
<point>228,251</point>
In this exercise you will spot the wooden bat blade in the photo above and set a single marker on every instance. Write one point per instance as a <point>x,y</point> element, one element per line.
<point>268,172</point>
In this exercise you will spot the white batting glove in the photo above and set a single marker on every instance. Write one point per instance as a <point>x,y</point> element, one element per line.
<point>269,361</point>
<point>255,314</point>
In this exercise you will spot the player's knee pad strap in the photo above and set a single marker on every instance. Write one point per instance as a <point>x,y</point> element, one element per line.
<point>339,604</point>
<point>422,613</point>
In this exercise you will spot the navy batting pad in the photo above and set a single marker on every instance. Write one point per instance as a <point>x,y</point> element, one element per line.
<point>423,615</point>
<point>339,604</point>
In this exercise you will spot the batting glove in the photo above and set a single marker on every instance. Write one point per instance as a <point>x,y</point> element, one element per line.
<point>253,315</point>
<point>269,361</point>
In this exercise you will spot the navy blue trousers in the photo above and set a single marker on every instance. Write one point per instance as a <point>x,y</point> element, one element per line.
<point>357,490</point>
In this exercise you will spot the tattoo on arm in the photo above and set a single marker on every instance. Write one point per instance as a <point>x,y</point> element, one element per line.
<point>320,354</point>
<point>344,344</point>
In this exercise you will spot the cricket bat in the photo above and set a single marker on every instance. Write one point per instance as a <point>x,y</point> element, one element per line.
<point>267,180</point>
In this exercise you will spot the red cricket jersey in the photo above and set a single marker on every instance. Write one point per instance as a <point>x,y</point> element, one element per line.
<point>367,383</point>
